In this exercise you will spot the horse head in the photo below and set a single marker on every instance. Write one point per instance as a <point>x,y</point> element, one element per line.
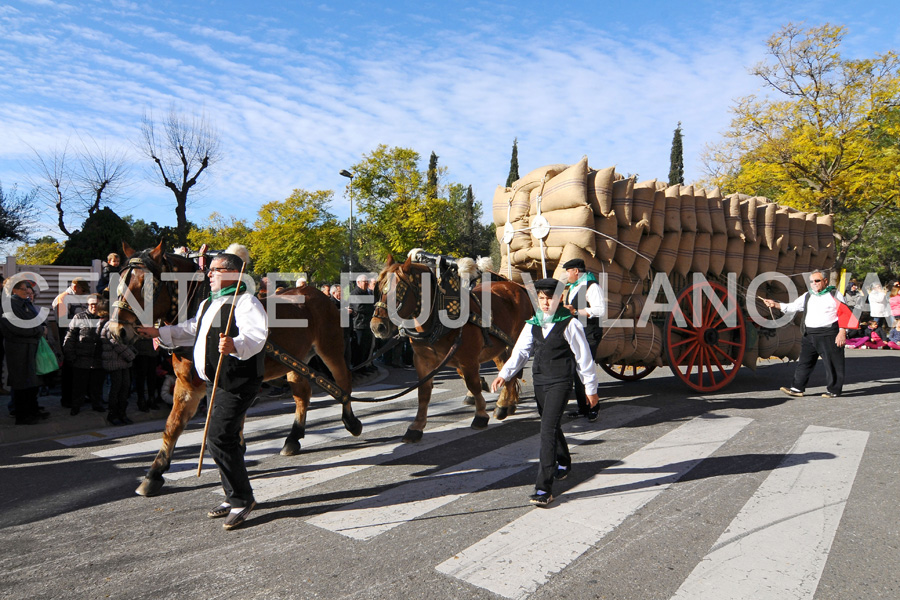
<point>144,295</point>
<point>400,285</point>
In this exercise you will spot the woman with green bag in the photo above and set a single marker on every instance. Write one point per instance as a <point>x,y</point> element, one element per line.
<point>22,337</point>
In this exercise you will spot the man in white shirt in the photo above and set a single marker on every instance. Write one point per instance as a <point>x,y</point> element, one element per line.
<point>584,299</point>
<point>821,336</point>
<point>239,378</point>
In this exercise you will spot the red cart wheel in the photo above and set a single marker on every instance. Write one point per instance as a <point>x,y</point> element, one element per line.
<point>627,372</point>
<point>706,353</point>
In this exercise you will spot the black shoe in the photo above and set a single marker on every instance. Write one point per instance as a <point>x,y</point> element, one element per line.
<point>542,500</point>
<point>594,413</point>
<point>236,519</point>
<point>562,472</point>
<point>574,414</point>
<point>221,510</point>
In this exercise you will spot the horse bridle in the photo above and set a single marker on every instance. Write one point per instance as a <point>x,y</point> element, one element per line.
<point>403,287</point>
<point>139,262</point>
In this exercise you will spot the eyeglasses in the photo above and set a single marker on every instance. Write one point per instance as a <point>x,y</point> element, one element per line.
<point>220,269</point>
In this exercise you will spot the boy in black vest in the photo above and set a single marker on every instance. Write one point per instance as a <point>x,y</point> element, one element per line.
<point>560,348</point>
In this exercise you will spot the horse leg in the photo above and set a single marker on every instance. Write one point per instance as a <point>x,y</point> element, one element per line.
<point>471,376</point>
<point>509,395</point>
<point>415,430</point>
<point>186,399</point>
<point>469,400</point>
<point>301,391</point>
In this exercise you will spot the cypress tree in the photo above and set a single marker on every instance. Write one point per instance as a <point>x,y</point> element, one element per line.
<point>676,159</point>
<point>513,164</point>
<point>431,185</point>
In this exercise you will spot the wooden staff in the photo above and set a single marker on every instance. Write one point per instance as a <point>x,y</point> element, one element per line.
<point>212,396</point>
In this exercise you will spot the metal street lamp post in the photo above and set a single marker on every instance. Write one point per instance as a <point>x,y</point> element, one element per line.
<point>349,175</point>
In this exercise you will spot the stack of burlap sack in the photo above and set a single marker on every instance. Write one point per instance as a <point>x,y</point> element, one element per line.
<point>632,230</point>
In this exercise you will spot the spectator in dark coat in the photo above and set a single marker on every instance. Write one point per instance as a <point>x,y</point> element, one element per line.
<point>83,348</point>
<point>21,334</point>
<point>361,312</point>
<point>117,358</point>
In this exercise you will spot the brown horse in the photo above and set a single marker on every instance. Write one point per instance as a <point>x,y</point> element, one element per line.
<point>401,285</point>
<point>321,335</point>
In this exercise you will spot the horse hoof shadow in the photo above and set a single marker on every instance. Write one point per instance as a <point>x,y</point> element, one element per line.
<point>149,487</point>
<point>412,436</point>
<point>480,422</point>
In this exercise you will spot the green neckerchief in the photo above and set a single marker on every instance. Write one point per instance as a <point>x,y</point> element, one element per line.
<point>586,278</point>
<point>827,290</point>
<point>228,291</point>
<point>540,318</point>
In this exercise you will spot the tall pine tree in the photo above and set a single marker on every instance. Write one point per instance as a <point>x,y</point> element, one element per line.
<point>676,159</point>
<point>431,185</point>
<point>513,164</point>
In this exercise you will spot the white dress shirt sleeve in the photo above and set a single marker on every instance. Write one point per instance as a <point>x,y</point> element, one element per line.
<point>521,352</point>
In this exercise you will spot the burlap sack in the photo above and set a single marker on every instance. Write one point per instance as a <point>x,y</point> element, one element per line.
<point>605,239</point>
<point>748,218</point>
<point>667,254</point>
<point>599,191</point>
<point>573,225</point>
<point>718,246</point>
<point>688,208</point>
<point>642,205</point>
<point>797,222</point>
<point>623,195</point>
<point>633,306</point>
<point>570,251</point>
<point>825,228</point>
<point>701,208</point>
<point>751,357</point>
<point>658,218</point>
<point>733,225</point>
<point>628,345</point>
<point>614,306</point>
<point>768,342</point>
<point>673,208</point>
<point>716,210</point>
<point>768,260</point>
<point>786,262</point>
<point>521,238</point>
<point>629,238</point>
<point>611,343</point>
<point>685,252</point>
<point>648,247</point>
<point>765,222</point>
<point>700,259</point>
<point>513,273</point>
<point>782,229</point>
<point>614,273</point>
<point>734,256</point>
<point>751,260</point>
<point>647,344</point>
<point>811,238</point>
<point>631,284</point>
<point>804,260</point>
<point>565,190</point>
<point>546,173</point>
<point>500,207</point>
<point>550,254</point>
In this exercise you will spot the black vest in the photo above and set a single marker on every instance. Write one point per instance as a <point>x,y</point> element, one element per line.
<point>235,372</point>
<point>553,358</point>
<point>592,329</point>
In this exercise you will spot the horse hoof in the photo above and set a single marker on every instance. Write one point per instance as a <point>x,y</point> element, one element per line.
<point>290,448</point>
<point>412,436</point>
<point>469,400</point>
<point>480,422</point>
<point>511,409</point>
<point>501,412</point>
<point>484,385</point>
<point>149,487</point>
<point>353,425</point>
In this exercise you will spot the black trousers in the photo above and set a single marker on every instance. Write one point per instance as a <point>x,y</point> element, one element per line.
<point>580,395</point>
<point>551,402</point>
<point>225,425</point>
<point>25,403</point>
<point>144,369</point>
<point>363,346</point>
<point>88,382</point>
<point>812,347</point>
<point>119,390</point>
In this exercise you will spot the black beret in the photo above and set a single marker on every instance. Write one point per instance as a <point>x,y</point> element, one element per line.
<point>575,263</point>
<point>548,285</point>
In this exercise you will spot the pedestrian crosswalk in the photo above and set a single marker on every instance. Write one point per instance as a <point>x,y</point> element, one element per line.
<point>800,501</point>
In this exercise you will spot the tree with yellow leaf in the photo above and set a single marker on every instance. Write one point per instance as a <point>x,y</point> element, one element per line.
<point>825,139</point>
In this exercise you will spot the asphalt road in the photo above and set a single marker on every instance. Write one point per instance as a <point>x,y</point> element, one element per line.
<point>744,493</point>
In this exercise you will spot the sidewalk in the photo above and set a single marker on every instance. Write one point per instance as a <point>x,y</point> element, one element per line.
<point>62,424</point>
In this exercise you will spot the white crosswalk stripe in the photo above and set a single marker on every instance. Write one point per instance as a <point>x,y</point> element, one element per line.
<point>517,559</point>
<point>802,501</point>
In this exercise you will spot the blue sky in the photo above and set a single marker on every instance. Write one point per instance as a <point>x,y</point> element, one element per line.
<point>300,90</point>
